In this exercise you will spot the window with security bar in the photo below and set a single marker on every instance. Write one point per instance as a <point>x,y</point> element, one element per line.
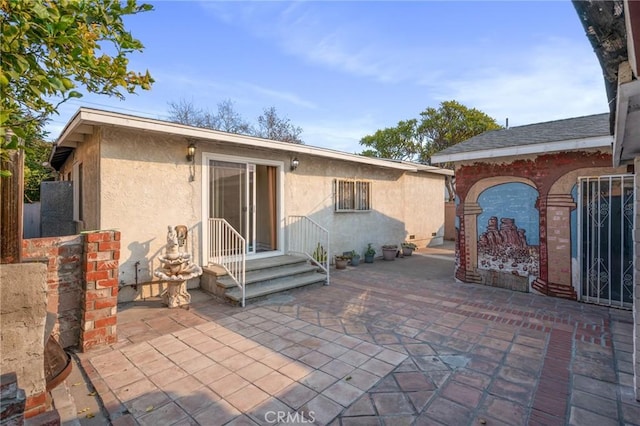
<point>352,195</point>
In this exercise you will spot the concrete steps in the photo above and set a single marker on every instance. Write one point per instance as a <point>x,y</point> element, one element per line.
<point>263,277</point>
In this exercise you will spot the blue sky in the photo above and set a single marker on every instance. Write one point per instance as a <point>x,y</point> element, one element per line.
<point>342,70</point>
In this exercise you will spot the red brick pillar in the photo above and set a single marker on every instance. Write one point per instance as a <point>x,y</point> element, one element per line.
<point>100,304</point>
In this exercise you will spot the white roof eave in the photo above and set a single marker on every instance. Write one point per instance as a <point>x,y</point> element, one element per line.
<point>87,116</point>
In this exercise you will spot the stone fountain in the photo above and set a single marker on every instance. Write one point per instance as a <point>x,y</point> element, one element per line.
<point>177,268</point>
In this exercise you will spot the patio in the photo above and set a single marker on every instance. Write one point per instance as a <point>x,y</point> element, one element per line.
<point>387,343</point>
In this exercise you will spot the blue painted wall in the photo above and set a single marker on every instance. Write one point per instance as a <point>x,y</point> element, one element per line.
<point>511,200</point>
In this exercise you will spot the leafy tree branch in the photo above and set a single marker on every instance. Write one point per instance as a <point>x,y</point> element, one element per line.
<point>51,48</point>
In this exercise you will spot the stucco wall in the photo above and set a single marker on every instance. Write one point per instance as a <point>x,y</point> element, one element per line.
<point>87,153</point>
<point>146,185</point>
<point>402,204</point>
<point>22,321</point>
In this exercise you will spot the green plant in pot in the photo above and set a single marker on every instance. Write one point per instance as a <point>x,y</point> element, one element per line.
<point>320,254</point>
<point>355,258</point>
<point>408,248</point>
<point>369,254</point>
<point>341,262</point>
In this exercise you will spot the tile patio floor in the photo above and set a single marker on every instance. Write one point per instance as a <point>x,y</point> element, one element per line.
<point>389,343</point>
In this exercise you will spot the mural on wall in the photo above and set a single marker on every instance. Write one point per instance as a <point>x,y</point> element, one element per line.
<point>508,238</point>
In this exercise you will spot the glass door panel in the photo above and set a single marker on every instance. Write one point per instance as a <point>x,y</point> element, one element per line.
<point>232,197</point>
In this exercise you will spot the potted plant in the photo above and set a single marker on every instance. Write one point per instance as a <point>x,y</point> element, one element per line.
<point>369,254</point>
<point>408,248</point>
<point>389,251</point>
<point>341,262</point>
<point>355,258</point>
<point>319,255</point>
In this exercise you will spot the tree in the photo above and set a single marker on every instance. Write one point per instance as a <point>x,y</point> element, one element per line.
<point>226,119</point>
<point>402,142</point>
<point>36,167</point>
<point>451,124</point>
<point>48,49</point>
<point>229,120</point>
<point>271,126</point>
<point>436,130</point>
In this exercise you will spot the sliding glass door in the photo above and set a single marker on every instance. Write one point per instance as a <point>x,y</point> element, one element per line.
<point>233,197</point>
<point>246,193</point>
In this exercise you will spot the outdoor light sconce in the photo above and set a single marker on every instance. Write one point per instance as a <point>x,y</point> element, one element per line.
<point>191,152</point>
<point>294,163</point>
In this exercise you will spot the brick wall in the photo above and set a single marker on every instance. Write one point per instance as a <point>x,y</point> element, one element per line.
<point>82,285</point>
<point>542,172</point>
<point>64,281</point>
<point>102,255</point>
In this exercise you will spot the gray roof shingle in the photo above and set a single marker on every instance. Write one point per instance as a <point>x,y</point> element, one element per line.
<point>530,134</point>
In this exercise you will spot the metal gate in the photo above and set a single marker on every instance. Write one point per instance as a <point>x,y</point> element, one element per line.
<point>605,239</point>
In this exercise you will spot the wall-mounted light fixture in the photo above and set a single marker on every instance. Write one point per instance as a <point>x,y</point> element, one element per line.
<point>294,163</point>
<point>191,152</point>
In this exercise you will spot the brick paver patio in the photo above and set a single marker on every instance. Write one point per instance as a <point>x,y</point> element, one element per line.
<point>387,343</point>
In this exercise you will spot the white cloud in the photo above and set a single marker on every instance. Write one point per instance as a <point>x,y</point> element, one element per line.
<point>558,79</point>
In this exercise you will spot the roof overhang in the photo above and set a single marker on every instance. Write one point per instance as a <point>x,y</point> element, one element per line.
<point>85,119</point>
<point>530,149</point>
<point>626,145</point>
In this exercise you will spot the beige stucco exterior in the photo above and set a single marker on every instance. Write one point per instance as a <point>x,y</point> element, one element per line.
<point>139,182</point>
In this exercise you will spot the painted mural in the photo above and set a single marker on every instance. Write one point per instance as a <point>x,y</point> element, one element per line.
<point>508,238</point>
<point>504,248</point>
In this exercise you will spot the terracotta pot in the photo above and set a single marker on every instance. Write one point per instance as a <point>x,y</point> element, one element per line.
<point>341,263</point>
<point>389,253</point>
<point>406,251</point>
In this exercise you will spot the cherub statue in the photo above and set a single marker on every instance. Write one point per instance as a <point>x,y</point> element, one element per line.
<point>182,232</point>
<point>172,240</point>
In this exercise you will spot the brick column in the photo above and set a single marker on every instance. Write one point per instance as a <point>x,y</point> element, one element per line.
<point>470,255</point>
<point>559,265</point>
<point>100,304</point>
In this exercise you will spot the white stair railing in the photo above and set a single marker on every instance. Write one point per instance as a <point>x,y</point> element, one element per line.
<point>307,238</point>
<point>228,249</point>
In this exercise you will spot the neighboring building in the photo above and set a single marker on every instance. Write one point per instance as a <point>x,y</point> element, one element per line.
<point>131,174</point>
<point>613,28</point>
<point>541,209</point>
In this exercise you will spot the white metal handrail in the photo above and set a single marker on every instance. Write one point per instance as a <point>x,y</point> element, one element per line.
<point>308,238</point>
<point>228,249</point>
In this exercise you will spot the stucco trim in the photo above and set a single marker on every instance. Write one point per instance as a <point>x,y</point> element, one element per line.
<point>541,148</point>
<point>92,117</point>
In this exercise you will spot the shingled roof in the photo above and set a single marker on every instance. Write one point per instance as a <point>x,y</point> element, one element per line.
<point>533,138</point>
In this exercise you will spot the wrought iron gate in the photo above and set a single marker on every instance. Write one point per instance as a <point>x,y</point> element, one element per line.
<point>605,239</point>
